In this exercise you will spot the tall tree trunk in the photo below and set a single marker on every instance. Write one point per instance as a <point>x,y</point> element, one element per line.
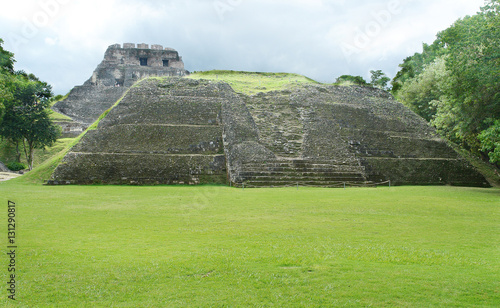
<point>25,152</point>
<point>30,157</point>
<point>29,153</point>
<point>18,153</point>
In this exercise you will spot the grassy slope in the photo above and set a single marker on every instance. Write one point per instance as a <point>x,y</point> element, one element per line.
<point>56,116</point>
<point>8,153</point>
<point>215,246</point>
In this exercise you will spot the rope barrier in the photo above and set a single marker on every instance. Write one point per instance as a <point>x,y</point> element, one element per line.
<point>297,185</point>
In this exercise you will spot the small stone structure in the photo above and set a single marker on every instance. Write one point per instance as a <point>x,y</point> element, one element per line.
<point>120,69</point>
<point>182,131</point>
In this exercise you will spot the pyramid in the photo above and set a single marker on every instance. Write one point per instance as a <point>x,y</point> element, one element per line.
<point>183,131</point>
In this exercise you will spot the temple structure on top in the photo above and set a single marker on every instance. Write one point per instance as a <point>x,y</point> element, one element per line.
<point>121,67</point>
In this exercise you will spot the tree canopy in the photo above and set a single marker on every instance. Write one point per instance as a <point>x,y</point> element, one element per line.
<point>455,82</point>
<point>25,103</point>
<point>379,79</point>
<point>6,71</point>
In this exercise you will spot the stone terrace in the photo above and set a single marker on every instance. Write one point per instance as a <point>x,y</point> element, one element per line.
<point>162,132</point>
<point>328,135</point>
<point>182,131</point>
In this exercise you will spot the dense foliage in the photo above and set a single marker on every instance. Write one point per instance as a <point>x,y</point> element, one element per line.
<point>24,107</point>
<point>455,82</point>
<point>6,70</point>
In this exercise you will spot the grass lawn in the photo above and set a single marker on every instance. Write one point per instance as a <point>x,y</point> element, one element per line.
<point>175,246</point>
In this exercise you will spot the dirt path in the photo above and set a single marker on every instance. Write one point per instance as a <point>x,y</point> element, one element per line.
<point>5,176</point>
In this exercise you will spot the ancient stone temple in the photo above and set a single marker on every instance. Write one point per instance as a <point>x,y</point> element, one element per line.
<point>183,131</point>
<point>120,69</point>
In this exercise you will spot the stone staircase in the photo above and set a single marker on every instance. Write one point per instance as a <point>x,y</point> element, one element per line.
<point>301,172</point>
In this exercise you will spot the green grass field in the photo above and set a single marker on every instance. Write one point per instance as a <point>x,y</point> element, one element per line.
<point>212,246</point>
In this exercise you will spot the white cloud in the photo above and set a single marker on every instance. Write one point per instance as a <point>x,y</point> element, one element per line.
<point>303,36</point>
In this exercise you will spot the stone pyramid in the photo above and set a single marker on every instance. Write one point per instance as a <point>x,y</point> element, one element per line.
<point>183,131</point>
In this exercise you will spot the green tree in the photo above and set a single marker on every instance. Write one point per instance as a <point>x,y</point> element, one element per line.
<point>473,61</point>
<point>6,72</point>
<point>490,142</point>
<point>6,59</point>
<point>415,65</point>
<point>424,93</point>
<point>379,79</point>
<point>455,82</point>
<point>26,118</point>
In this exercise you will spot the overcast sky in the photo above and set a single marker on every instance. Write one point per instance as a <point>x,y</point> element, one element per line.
<point>63,41</point>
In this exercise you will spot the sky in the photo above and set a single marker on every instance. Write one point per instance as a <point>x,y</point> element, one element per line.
<point>63,41</point>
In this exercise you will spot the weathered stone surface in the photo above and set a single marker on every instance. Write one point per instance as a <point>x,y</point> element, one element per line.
<point>120,69</point>
<point>175,130</point>
<point>153,136</point>
<point>3,168</point>
<point>325,135</point>
<point>140,169</point>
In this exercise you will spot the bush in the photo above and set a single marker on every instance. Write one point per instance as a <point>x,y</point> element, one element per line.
<point>15,166</point>
<point>357,80</point>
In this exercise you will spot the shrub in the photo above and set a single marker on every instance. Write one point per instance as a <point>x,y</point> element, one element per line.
<point>15,166</point>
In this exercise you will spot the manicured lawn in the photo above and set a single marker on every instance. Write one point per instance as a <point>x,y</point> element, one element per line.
<point>110,246</point>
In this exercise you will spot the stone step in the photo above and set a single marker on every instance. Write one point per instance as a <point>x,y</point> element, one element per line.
<point>298,163</point>
<point>309,172</point>
<point>345,168</point>
<point>272,179</point>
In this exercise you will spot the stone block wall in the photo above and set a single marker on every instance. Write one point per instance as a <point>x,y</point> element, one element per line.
<point>325,135</point>
<point>120,69</point>
<point>86,103</point>
<point>130,55</point>
<point>153,137</point>
<point>181,131</point>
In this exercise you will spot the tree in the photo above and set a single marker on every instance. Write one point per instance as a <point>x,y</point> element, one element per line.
<point>424,93</point>
<point>473,93</point>
<point>455,82</point>
<point>379,79</point>
<point>415,65</point>
<point>6,72</point>
<point>490,142</point>
<point>26,118</point>
<point>6,60</point>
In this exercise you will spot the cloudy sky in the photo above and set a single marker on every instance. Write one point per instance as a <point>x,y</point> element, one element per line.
<point>62,41</point>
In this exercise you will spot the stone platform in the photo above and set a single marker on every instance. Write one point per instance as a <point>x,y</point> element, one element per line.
<point>182,131</point>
